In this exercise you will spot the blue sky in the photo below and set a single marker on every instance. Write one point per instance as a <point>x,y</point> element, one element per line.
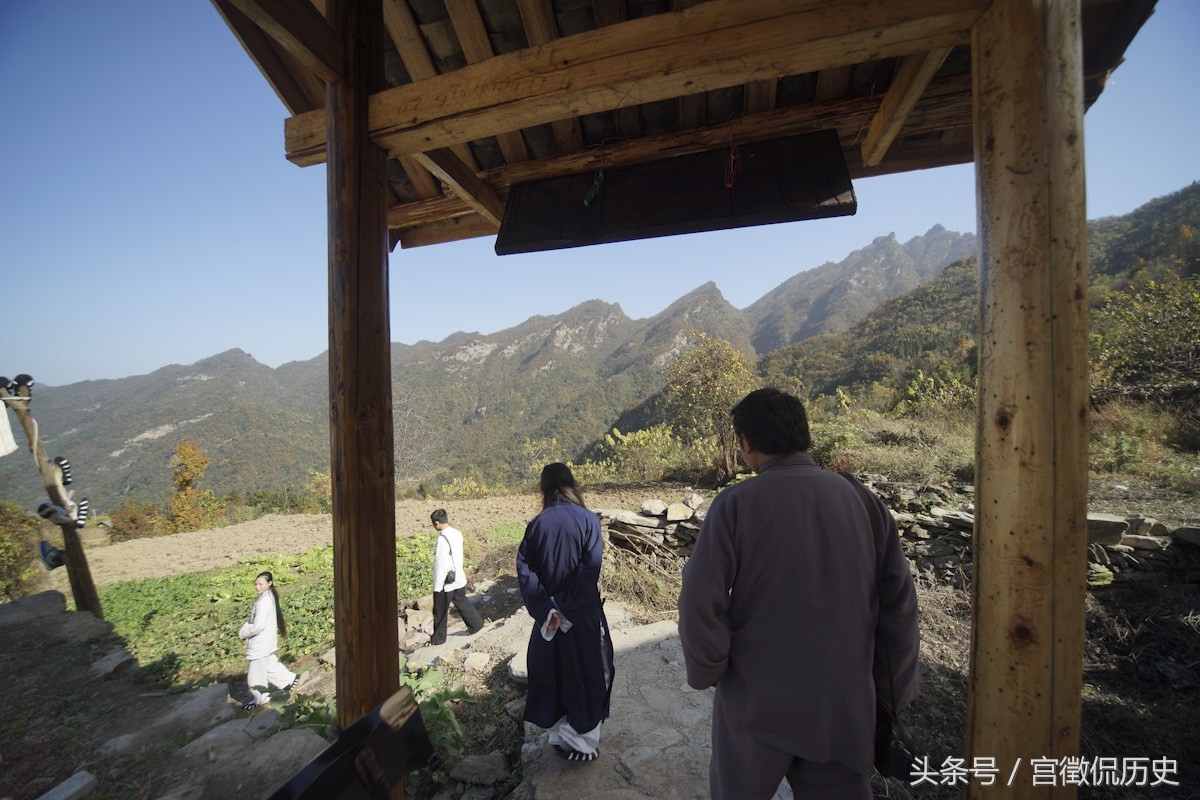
<point>148,216</point>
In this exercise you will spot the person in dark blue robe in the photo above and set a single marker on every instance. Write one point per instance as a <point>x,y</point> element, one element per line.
<point>570,649</point>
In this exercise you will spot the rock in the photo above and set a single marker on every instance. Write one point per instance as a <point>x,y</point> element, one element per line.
<point>694,501</point>
<point>1106,529</point>
<point>654,508</point>
<point>1098,575</point>
<point>1140,542</point>
<point>516,708</point>
<point>638,520</point>
<point>477,663</point>
<point>37,605</point>
<point>518,667</point>
<point>114,663</point>
<point>78,785</point>
<point>197,712</point>
<point>678,512</point>
<point>483,770</point>
<point>1146,526</point>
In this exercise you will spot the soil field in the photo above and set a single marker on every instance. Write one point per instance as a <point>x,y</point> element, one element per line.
<point>196,551</point>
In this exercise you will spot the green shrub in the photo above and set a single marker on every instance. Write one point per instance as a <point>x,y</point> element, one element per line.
<point>135,520</point>
<point>20,574</point>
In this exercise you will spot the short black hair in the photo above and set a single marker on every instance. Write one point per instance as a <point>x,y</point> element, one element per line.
<point>440,516</point>
<point>774,421</point>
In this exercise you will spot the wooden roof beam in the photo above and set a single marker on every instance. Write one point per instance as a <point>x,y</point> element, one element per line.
<point>297,88</point>
<point>626,119</point>
<point>540,27</point>
<point>463,182</point>
<point>914,74</point>
<point>473,36</point>
<point>301,30</point>
<point>947,98</point>
<point>402,28</point>
<point>454,229</point>
<point>712,45</point>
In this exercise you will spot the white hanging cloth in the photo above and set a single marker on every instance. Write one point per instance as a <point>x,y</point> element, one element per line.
<point>7,443</point>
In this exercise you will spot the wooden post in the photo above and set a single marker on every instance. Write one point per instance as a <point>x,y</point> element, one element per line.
<point>83,589</point>
<point>360,383</point>
<point>1031,458</point>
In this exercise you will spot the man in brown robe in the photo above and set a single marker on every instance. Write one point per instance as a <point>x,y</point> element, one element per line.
<point>798,605</point>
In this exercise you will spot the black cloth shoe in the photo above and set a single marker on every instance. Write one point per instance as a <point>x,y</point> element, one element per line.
<point>52,557</point>
<point>55,513</point>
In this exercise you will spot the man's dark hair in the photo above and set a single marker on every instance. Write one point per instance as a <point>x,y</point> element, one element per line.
<point>774,421</point>
<point>558,480</point>
<point>440,516</point>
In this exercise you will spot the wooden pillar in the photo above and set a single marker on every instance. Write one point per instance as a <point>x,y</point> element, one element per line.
<point>360,382</point>
<point>1031,458</point>
<point>79,573</point>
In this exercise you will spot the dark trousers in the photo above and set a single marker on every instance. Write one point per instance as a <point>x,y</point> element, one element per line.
<point>743,768</point>
<point>441,610</point>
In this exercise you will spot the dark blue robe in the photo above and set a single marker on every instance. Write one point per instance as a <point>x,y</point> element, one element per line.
<point>558,565</point>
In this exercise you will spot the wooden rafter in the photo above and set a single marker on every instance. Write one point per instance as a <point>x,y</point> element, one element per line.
<point>914,74</point>
<point>741,41</point>
<point>540,28</point>
<point>468,25</point>
<point>625,118</point>
<point>464,183</point>
<point>833,82</point>
<point>401,27</point>
<point>298,89</point>
<point>454,229</point>
<point>301,30</point>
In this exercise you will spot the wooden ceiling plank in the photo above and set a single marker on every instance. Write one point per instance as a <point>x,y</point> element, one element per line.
<point>833,83</point>
<point>626,120</point>
<point>297,88</point>
<point>463,181</point>
<point>424,184</point>
<point>401,26</point>
<point>451,230</point>
<point>690,107</point>
<point>760,96</point>
<point>947,99</point>
<point>914,74</point>
<point>604,68</point>
<point>301,30</point>
<point>477,46</point>
<point>541,28</point>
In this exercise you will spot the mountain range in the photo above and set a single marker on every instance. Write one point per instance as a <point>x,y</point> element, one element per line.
<point>466,406</point>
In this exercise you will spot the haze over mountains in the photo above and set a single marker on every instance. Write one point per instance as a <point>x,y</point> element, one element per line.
<point>465,405</point>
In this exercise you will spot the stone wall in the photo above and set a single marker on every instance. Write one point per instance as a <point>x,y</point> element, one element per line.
<point>936,523</point>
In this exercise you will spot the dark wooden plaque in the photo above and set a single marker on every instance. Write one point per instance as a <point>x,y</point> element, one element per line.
<point>782,180</point>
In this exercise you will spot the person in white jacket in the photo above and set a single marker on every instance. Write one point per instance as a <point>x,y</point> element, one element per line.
<point>262,632</point>
<point>450,579</point>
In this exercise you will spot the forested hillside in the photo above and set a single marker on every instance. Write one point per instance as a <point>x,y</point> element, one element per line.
<point>889,322</point>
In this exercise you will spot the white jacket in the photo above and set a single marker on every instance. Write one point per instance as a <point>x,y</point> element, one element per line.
<point>261,631</point>
<point>450,539</point>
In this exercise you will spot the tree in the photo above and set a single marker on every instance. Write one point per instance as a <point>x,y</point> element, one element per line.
<point>704,382</point>
<point>644,455</point>
<point>415,443</point>
<point>190,508</point>
<point>1150,334</point>
<point>537,453</point>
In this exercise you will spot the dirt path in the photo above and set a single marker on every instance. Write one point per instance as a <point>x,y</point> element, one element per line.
<point>197,551</point>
